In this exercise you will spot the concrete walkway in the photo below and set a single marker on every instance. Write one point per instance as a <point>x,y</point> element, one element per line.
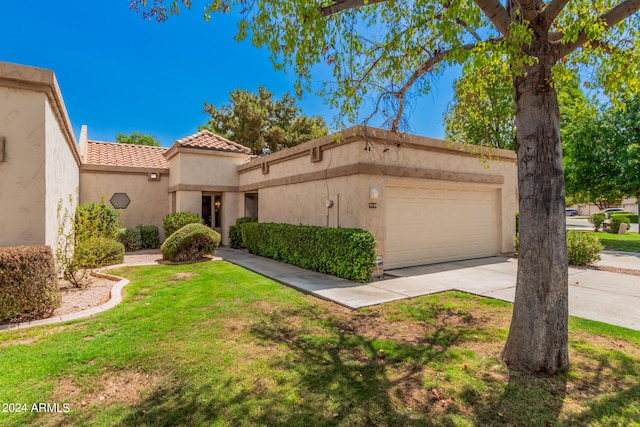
<point>597,295</point>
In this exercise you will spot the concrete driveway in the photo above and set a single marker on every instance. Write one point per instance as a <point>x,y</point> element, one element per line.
<point>597,295</point>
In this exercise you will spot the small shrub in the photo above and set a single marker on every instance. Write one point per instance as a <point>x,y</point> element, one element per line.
<point>131,238</point>
<point>150,236</point>
<point>177,220</point>
<point>349,253</point>
<point>235,235</point>
<point>597,219</point>
<point>190,243</point>
<point>28,282</point>
<point>96,220</point>
<point>517,223</point>
<point>582,248</point>
<point>99,252</point>
<point>615,221</point>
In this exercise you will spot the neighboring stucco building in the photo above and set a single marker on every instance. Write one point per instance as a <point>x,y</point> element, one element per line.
<point>38,157</point>
<point>425,200</point>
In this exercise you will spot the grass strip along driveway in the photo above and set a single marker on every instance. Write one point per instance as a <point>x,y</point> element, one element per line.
<point>212,344</point>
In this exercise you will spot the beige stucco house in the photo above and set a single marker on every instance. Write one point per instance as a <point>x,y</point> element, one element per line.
<point>425,200</point>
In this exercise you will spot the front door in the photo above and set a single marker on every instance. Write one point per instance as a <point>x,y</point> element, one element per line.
<point>206,210</point>
<point>217,211</point>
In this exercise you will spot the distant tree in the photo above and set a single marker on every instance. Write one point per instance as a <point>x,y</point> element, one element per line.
<point>602,155</point>
<point>137,138</point>
<point>483,111</point>
<point>261,123</point>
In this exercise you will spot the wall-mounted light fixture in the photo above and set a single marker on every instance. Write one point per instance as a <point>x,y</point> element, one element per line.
<point>154,176</point>
<point>328,203</point>
<point>373,197</point>
<point>1,148</point>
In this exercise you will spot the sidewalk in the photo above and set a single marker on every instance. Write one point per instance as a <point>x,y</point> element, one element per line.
<point>597,295</point>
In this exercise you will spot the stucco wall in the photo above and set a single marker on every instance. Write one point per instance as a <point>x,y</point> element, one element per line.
<point>61,173</point>
<point>22,174</point>
<point>149,199</point>
<point>189,201</point>
<point>205,167</point>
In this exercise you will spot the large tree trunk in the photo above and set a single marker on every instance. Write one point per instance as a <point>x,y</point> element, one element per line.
<point>538,337</point>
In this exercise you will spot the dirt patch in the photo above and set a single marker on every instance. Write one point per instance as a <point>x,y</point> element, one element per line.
<point>619,270</point>
<point>183,276</point>
<point>375,327</point>
<point>123,387</point>
<point>25,341</point>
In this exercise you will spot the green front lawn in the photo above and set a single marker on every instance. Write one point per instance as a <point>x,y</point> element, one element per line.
<point>212,344</point>
<point>628,242</point>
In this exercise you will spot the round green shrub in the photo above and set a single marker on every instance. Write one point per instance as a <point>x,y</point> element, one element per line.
<point>190,243</point>
<point>616,221</point>
<point>96,220</point>
<point>99,252</point>
<point>150,236</point>
<point>597,219</point>
<point>131,238</point>
<point>175,221</point>
<point>582,248</point>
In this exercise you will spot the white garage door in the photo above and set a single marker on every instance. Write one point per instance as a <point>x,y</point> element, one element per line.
<point>430,225</point>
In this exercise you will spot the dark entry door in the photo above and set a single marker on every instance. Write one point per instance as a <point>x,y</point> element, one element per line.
<point>206,210</point>
<point>217,204</point>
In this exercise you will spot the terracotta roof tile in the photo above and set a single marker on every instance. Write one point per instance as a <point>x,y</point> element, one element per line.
<point>115,154</point>
<point>211,141</point>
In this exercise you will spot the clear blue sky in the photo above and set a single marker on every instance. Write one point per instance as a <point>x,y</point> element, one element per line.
<point>120,73</point>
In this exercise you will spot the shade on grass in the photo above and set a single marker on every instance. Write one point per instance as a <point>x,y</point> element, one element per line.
<point>213,344</point>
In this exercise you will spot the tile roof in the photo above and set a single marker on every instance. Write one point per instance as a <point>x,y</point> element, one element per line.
<point>116,154</point>
<point>209,140</point>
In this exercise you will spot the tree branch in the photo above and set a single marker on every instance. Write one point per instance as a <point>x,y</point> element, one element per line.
<point>496,13</point>
<point>552,10</point>
<point>427,66</point>
<point>342,5</point>
<point>469,29</point>
<point>611,18</point>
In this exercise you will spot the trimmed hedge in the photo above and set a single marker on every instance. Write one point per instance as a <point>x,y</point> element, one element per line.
<point>349,253</point>
<point>175,221</point>
<point>98,252</point>
<point>633,218</point>
<point>582,248</point>
<point>235,235</point>
<point>190,243</point>
<point>28,282</point>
